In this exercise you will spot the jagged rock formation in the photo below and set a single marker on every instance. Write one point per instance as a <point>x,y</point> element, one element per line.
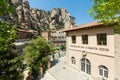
<point>31,18</point>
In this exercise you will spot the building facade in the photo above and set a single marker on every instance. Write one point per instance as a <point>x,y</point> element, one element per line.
<point>24,38</point>
<point>56,37</point>
<point>94,50</point>
<point>24,34</point>
<point>46,35</point>
<point>27,34</point>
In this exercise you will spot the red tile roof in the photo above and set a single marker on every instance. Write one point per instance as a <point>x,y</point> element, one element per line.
<point>85,26</point>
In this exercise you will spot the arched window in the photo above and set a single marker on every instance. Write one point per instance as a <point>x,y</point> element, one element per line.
<point>73,60</point>
<point>86,66</point>
<point>103,71</point>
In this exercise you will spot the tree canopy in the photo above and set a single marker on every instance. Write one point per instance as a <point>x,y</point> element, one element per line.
<point>10,62</point>
<point>7,35</point>
<point>5,7</point>
<point>106,10</point>
<point>36,54</point>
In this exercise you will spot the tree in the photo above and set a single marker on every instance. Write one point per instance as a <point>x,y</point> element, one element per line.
<point>105,10</point>
<point>10,63</point>
<point>36,54</point>
<point>5,7</point>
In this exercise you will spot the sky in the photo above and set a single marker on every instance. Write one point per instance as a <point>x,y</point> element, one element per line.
<point>76,8</point>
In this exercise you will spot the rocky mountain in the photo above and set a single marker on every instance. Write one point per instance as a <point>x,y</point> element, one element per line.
<point>37,19</point>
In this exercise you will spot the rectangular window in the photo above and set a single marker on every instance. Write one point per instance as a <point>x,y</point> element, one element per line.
<point>74,39</point>
<point>102,39</point>
<point>84,39</point>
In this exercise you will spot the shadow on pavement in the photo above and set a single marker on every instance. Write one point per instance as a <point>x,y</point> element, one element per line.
<point>54,62</point>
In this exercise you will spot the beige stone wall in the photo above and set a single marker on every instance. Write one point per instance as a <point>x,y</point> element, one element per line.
<point>95,60</point>
<point>117,57</point>
<point>67,48</point>
<point>92,41</point>
<point>96,54</point>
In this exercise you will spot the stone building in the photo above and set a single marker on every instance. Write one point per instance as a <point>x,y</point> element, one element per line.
<point>46,35</point>
<point>58,38</point>
<point>24,37</point>
<point>93,49</point>
<point>26,34</point>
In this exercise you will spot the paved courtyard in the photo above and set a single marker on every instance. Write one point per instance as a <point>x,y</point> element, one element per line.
<point>62,72</point>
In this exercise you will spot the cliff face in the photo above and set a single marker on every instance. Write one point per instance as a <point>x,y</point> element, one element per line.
<point>31,18</point>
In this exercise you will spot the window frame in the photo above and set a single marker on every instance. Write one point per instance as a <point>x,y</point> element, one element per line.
<point>73,39</point>
<point>85,39</point>
<point>73,60</point>
<point>86,66</point>
<point>102,39</point>
<point>104,71</point>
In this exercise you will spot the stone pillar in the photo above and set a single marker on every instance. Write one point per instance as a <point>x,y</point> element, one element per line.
<point>41,70</point>
<point>49,64</point>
